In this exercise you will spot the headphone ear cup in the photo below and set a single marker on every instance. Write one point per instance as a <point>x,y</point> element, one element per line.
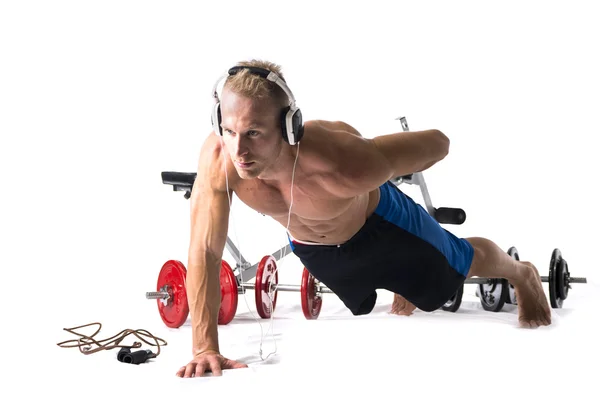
<point>291,125</point>
<point>216,119</point>
<point>296,117</point>
<point>284,124</point>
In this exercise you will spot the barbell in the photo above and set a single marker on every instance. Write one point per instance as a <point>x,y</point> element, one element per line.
<point>493,293</point>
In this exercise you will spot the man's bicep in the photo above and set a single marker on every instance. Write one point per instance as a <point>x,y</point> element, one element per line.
<point>410,152</point>
<point>209,220</point>
<point>210,205</point>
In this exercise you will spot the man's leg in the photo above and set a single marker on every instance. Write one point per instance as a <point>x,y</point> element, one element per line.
<point>490,261</point>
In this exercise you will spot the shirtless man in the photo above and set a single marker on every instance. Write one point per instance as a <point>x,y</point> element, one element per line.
<point>329,186</point>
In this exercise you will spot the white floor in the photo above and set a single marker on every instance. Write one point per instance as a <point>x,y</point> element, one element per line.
<point>468,353</point>
<point>98,98</point>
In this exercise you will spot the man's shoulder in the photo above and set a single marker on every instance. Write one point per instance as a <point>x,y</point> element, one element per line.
<point>211,151</point>
<point>351,164</point>
<point>329,126</point>
<point>211,143</point>
<point>331,139</point>
<point>332,146</point>
<point>210,164</point>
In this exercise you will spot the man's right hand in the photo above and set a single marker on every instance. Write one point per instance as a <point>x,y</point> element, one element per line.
<point>208,362</point>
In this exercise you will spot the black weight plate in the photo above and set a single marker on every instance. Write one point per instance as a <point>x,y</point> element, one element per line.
<point>453,303</point>
<point>562,283</point>
<point>555,300</point>
<point>511,296</point>
<point>492,295</point>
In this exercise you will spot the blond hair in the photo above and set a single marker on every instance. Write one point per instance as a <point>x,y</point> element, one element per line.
<point>253,86</point>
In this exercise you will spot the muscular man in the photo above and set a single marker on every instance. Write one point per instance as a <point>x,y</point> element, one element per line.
<point>329,187</point>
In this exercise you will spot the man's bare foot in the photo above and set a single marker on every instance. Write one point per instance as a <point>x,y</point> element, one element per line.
<point>533,307</point>
<point>401,306</point>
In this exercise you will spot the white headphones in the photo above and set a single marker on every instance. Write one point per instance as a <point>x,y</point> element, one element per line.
<point>292,128</point>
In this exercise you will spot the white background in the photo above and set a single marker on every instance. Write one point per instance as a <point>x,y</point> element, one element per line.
<point>98,98</point>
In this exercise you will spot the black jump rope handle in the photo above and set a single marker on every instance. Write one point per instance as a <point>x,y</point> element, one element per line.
<point>137,357</point>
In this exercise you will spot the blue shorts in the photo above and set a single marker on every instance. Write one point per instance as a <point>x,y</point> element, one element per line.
<point>400,248</point>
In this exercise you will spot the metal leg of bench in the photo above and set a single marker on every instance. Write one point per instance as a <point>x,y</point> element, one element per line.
<point>239,258</point>
<point>243,270</point>
<point>417,178</point>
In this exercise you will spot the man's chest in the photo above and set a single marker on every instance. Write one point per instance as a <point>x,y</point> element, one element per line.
<point>307,200</point>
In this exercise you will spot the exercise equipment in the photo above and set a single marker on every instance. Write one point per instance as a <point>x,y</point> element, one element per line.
<point>171,294</point>
<point>495,292</point>
<point>511,297</point>
<point>172,297</point>
<point>266,280</point>
<point>229,294</point>
<point>89,344</point>
<point>454,302</point>
<point>172,300</point>
<point>311,295</point>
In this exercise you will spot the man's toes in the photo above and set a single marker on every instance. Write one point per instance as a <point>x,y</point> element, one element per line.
<point>539,322</point>
<point>525,323</point>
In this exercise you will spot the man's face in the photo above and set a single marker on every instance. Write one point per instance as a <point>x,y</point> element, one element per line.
<point>251,133</point>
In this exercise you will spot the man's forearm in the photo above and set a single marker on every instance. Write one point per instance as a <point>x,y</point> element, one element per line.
<point>204,298</point>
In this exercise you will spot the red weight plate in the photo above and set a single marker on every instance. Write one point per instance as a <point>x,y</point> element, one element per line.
<point>229,294</point>
<point>266,278</point>
<point>311,303</point>
<point>172,277</point>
